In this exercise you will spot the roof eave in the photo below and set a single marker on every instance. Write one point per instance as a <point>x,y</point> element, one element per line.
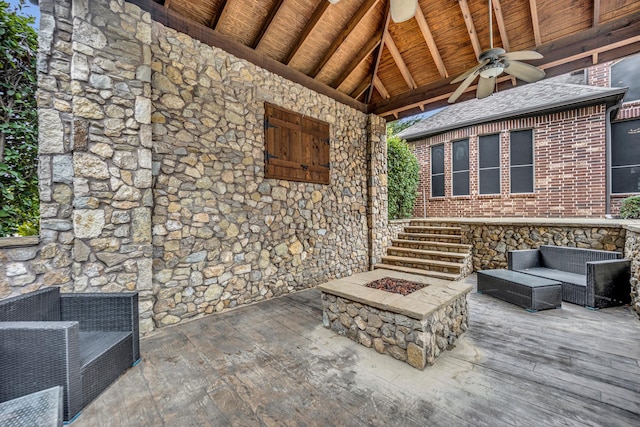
<point>609,98</point>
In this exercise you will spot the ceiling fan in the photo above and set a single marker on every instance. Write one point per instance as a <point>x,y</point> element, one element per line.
<point>401,10</point>
<point>492,63</point>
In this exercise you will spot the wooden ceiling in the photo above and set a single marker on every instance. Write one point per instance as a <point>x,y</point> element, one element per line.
<point>355,53</point>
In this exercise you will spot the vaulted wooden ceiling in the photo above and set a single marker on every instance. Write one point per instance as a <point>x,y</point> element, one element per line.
<point>354,52</point>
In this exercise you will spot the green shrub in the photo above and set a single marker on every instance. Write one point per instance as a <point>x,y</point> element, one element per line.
<point>630,208</point>
<point>19,202</point>
<point>403,177</point>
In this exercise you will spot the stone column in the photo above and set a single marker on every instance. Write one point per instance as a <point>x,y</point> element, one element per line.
<point>377,206</point>
<point>95,145</point>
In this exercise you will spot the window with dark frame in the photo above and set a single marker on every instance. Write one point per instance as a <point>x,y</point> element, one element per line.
<point>460,168</point>
<point>521,161</point>
<point>437,170</point>
<point>489,164</point>
<point>296,147</point>
<point>625,157</point>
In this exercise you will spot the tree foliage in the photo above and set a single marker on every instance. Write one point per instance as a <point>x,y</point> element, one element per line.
<point>404,175</point>
<point>630,208</point>
<point>19,202</point>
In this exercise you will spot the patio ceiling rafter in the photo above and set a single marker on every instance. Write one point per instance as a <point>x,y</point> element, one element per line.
<point>341,48</point>
<point>218,14</point>
<point>471,29</point>
<point>431,43</point>
<point>267,23</point>
<point>365,8</point>
<point>304,35</point>
<point>501,25</point>
<point>535,22</point>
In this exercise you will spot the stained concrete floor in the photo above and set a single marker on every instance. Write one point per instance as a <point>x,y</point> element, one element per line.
<point>273,364</point>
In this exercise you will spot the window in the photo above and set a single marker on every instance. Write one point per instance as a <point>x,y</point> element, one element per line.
<point>460,167</point>
<point>625,157</point>
<point>296,147</point>
<point>489,164</point>
<point>437,171</point>
<point>521,152</point>
<point>624,73</point>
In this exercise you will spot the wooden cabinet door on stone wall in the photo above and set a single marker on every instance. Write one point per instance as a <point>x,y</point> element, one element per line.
<point>297,147</point>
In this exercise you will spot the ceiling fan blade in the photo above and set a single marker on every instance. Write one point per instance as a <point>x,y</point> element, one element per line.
<point>485,87</point>
<point>522,55</point>
<point>403,10</point>
<point>522,71</point>
<point>469,71</point>
<point>463,86</point>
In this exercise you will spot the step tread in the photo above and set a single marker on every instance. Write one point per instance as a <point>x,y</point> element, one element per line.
<point>433,236</point>
<point>436,274</point>
<point>422,261</point>
<point>427,227</point>
<point>429,252</point>
<point>444,244</point>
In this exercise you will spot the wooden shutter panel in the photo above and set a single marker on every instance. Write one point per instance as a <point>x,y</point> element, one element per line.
<point>296,147</point>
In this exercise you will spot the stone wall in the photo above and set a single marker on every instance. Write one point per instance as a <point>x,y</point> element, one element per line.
<point>632,251</point>
<point>152,173</point>
<point>223,235</point>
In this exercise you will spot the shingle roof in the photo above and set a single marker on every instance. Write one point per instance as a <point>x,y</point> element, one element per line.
<point>538,98</point>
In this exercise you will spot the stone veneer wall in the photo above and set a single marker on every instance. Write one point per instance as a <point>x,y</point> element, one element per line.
<point>152,173</point>
<point>632,251</point>
<point>223,235</point>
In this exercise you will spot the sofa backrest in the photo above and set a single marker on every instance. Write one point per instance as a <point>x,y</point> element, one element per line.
<point>573,260</point>
<point>41,305</point>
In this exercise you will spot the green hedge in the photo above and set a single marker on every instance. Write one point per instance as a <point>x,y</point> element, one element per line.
<point>19,201</point>
<point>404,176</point>
<point>630,208</point>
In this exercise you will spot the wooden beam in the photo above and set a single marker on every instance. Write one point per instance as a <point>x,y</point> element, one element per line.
<point>167,3</point>
<point>376,61</point>
<point>611,40</point>
<point>267,22</point>
<point>361,89</point>
<point>596,13</point>
<point>536,22</point>
<point>315,18</point>
<point>206,35</point>
<point>216,18</point>
<point>365,8</point>
<point>364,53</point>
<point>397,57</point>
<point>377,83</point>
<point>431,43</point>
<point>471,29</point>
<point>501,26</point>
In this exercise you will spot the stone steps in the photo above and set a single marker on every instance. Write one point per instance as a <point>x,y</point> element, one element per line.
<point>420,271</point>
<point>431,245</point>
<point>453,257</point>
<point>445,238</point>
<point>429,250</point>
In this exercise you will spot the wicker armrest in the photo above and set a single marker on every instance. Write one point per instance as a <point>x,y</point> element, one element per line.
<point>40,355</point>
<point>526,258</point>
<point>108,312</point>
<point>608,283</point>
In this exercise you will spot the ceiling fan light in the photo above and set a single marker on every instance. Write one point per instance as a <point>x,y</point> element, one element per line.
<point>334,1</point>
<point>492,71</point>
<point>403,10</point>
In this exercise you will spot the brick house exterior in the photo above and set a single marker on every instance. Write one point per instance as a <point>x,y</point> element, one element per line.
<point>567,117</point>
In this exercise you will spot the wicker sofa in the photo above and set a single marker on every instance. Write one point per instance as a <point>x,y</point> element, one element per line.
<point>591,278</point>
<point>81,342</point>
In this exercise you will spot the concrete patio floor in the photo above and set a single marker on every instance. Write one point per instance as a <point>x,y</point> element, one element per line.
<point>273,364</point>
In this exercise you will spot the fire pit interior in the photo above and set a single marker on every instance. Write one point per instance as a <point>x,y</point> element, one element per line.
<point>397,286</point>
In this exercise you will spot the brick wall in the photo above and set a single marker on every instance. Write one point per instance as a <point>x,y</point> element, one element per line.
<point>569,169</point>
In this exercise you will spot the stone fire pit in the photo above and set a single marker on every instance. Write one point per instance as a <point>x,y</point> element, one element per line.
<point>415,328</point>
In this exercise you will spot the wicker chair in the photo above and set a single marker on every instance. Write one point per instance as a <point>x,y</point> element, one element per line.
<point>591,278</point>
<point>82,342</point>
